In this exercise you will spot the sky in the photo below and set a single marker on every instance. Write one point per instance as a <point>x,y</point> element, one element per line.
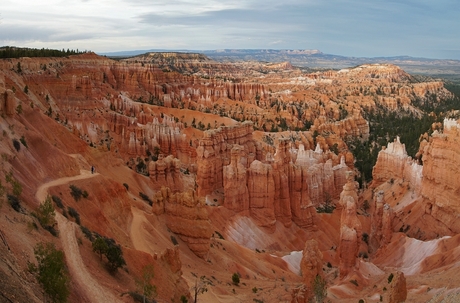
<point>357,28</point>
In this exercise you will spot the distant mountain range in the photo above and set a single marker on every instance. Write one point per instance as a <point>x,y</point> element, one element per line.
<point>318,59</point>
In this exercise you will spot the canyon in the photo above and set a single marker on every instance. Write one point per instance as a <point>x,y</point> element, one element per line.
<point>206,169</point>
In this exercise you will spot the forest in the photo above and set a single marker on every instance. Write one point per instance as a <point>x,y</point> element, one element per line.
<point>386,125</point>
<point>18,52</point>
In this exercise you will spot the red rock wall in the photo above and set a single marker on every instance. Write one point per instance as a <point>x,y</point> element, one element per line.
<point>186,215</point>
<point>441,167</point>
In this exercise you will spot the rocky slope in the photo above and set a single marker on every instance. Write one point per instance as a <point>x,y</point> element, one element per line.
<point>208,169</point>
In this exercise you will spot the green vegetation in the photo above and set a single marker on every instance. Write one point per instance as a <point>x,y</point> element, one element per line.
<point>144,283</point>
<point>319,287</point>
<point>110,249</point>
<point>16,189</point>
<point>17,145</point>
<point>51,272</point>
<point>100,246</point>
<point>328,207</point>
<point>88,234</point>
<point>73,213</point>
<point>145,198</point>
<point>18,52</point>
<point>114,255</point>
<point>14,202</point>
<point>174,240</point>
<point>57,201</point>
<point>236,279</point>
<point>77,193</point>
<point>386,125</point>
<point>23,141</point>
<point>141,167</point>
<point>15,185</point>
<point>45,215</point>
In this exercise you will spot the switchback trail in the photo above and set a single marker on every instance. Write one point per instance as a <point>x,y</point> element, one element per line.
<point>92,290</point>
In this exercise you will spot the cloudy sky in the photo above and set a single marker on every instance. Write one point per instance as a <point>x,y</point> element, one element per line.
<point>360,28</point>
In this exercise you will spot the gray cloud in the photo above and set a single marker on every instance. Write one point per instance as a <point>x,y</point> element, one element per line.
<point>346,27</point>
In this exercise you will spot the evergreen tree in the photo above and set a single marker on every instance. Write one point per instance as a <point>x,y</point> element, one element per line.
<point>51,272</point>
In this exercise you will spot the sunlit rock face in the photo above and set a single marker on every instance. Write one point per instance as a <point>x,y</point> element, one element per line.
<point>186,215</point>
<point>393,162</point>
<point>441,167</point>
<point>350,228</point>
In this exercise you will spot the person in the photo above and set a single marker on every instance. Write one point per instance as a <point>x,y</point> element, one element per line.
<point>92,169</point>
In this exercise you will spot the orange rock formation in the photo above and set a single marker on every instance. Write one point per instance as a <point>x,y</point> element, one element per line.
<point>350,228</point>
<point>312,262</point>
<point>185,216</point>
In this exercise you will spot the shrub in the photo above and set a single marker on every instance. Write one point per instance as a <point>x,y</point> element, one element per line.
<point>57,201</point>
<point>319,288</point>
<point>144,283</point>
<point>114,256</point>
<point>174,240</point>
<point>14,202</point>
<point>254,289</point>
<point>219,235</point>
<point>16,186</point>
<point>354,282</point>
<point>45,214</point>
<point>328,206</point>
<point>88,234</point>
<point>236,279</point>
<point>100,246</point>
<point>16,145</point>
<point>145,198</point>
<point>76,192</point>
<point>51,271</point>
<point>23,141</point>
<point>73,213</point>
<point>365,238</point>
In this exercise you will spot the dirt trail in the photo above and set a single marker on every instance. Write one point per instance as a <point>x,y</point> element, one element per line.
<point>136,229</point>
<point>93,291</point>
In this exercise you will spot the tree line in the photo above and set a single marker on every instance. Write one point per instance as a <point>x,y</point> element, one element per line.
<point>18,52</point>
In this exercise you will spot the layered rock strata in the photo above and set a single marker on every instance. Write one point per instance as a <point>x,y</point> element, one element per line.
<point>311,264</point>
<point>350,229</point>
<point>382,218</point>
<point>440,186</point>
<point>287,187</point>
<point>186,215</point>
<point>398,288</point>
<point>165,172</point>
<point>393,162</point>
